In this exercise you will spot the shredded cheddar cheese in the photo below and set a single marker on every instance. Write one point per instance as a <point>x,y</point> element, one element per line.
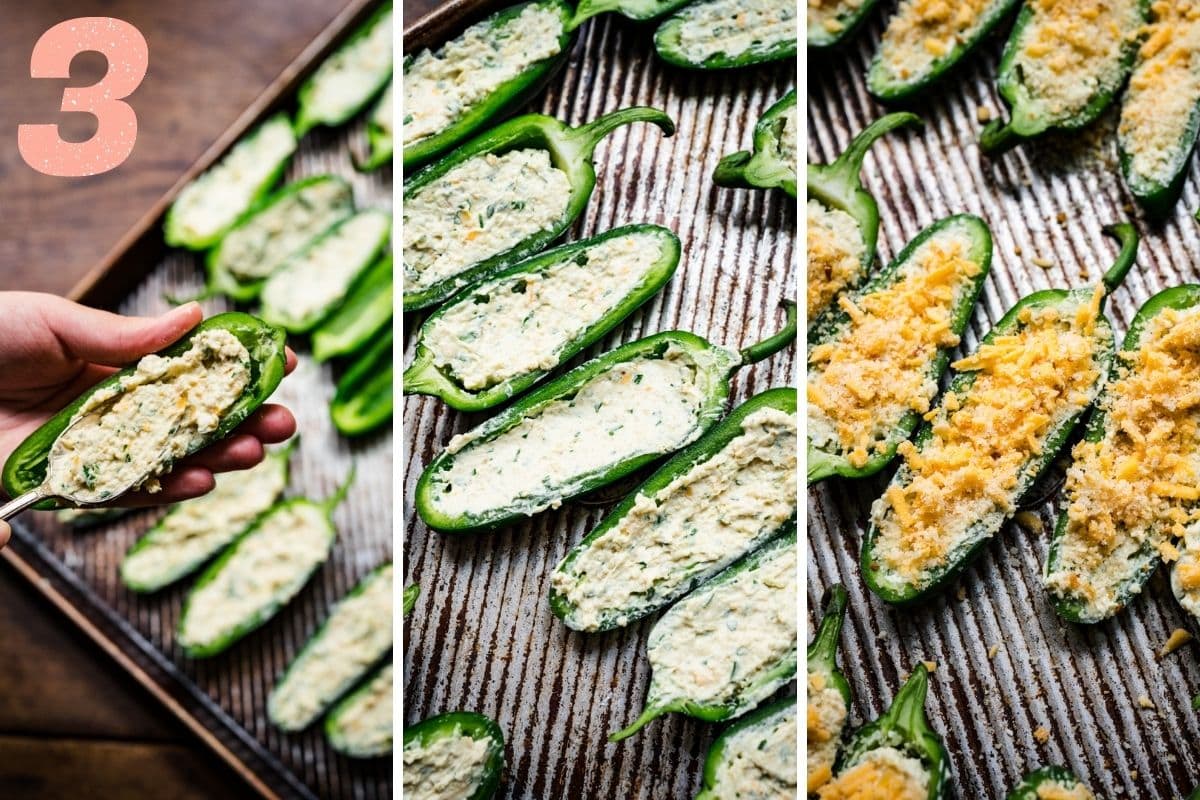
<point>836,254</point>
<point>865,378</point>
<point>1135,488</point>
<point>1163,91</point>
<point>922,31</point>
<point>830,15</point>
<point>1058,790</point>
<point>981,455</point>
<point>882,774</point>
<point>826,718</point>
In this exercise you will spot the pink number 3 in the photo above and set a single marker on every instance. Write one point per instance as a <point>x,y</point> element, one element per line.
<point>125,50</point>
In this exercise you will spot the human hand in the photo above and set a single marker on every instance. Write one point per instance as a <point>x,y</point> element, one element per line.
<point>52,350</point>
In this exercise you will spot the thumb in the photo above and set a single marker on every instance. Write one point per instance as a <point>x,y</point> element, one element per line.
<point>112,339</point>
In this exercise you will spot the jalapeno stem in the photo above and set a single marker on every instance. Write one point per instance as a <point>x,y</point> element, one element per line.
<point>907,713</point>
<point>332,502</point>
<point>823,650</point>
<point>1127,235</point>
<point>752,354</point>
<point>650,713</point>
<point>997,138</point>
<point>844,170</point>
<point>586,137</point>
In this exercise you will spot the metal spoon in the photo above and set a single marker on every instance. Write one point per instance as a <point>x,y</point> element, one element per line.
<point>43,492</point>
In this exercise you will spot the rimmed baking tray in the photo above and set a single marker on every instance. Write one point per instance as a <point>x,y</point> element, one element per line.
<point>223,700</point>
<point>1098,700</point>
<point>482,636</point>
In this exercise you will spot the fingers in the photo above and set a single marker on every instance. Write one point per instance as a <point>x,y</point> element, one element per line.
<point>101,337</point>
<point>5,532</point>
<point>182,483</point>
<point>240,451</point>
<point>271,424</point>
<point>291,361</point>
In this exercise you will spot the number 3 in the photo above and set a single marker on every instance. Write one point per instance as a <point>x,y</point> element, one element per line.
<point>125,50</point>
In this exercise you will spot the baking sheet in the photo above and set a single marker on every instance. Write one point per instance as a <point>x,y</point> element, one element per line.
<point>482,637</point>
<point>226,695</point>
<point>1080,686</point>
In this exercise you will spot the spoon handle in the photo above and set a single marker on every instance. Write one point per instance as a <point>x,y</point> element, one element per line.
<point>14,507</point>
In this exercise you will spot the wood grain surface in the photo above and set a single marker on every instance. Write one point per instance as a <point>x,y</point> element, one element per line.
<point>68,716</point>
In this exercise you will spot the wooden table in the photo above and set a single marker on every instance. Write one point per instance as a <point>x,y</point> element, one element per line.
<point>69,718</point>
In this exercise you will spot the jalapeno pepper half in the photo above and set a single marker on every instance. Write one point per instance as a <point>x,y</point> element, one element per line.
<point>363,400</point>
<point>437,490</point>
<point>895,588</point>
<point>362,316</point>
<point>570,150</point>
<point>505,98</point>
<point>823,673</point>
<point>758,727</point>
<point>1027,789</point>
<point>769,166</point>
<point>26,466</point>
<point>463,723</point>
<point>726,19</point>
<point>830,30</point>
<point>640,10</point>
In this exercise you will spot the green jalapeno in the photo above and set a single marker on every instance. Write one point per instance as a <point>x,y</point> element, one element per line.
<point>27,465</point>
<point>524,46</point>
<point>411,593</point>
<point>212,203</point>
<point>193,531</point>
<point>363,399</point>
<point>457,740</point>
<point>727,34</point>
<point>768,736</point>
<point>772,164</point>
<point>379,134</point>
<point>362,317</point>
<point>837,202</point>
<point>355,636</point>
<point>828,690</point>
<point>640,10</point>
<point>902,735</point>
<point>916,53</point>
<point>645,399</point>
<point>670,534</point>
<point>831,24</point>
<point>263,239</point>
<point>438,259</point>
<point>698,637</point>
<point>1047,777</point>
<point>348,79</point>
<point>927,560</point>
<point>495,339</point>
<point>1042,98</point>
<point>360,725</point>
<point>1090,595</point>
<point>826,455</point>
<point>263,570</point>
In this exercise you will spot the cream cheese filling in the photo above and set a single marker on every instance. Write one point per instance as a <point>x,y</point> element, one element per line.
<point>341,80</point>
<point>835,254</point>
<point>734,27</point>
<point>448,768</point>
<point>760,761</point>
<point>827,714</point>
<point>131,432</point>
<point>479,209</point>
<point>364,723</point>
<point>1185,574</point>
<point>697,524</point>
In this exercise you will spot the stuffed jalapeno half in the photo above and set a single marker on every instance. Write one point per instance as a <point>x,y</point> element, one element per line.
<point>726,34</point>
<point>210,205</point>
<point>640,10</point>
<point>754,757</point>
<point>720,498</point>
<point>258,574</point>
<point>365,315</point>
<point>497,338</point>
<point>83,518</point>
<point>1063,65</point>
<point>1185,574</point>
<point>897,756</point>
<point>730,644</point>
<point>828,693</point>
<point>586,429</point>
<point>500,198</point>
<point>1133,485</point>
<point>149,415</point>
<point>310,285</point>
<point>380,134</point>
<point>843,218</point>
<point>265,238</point>
<point>1160,112</point>
<point>1051,783</point>
<point>363,399</point>
<point>350,77</point>
<point>772,163</point>
<point>875,357</point>
<point>833,22</point>
<point>489,70</point>
<point>193,531</point>
<point>925,40</point>
<point>360,725</point>
<point>459,754</point>
<point>1009,410</point>
<point>355,636</point>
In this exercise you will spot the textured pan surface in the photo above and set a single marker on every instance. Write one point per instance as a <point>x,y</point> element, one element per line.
<point>83,564</point>
<point>1081,685</point>
<point>482,637</point>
